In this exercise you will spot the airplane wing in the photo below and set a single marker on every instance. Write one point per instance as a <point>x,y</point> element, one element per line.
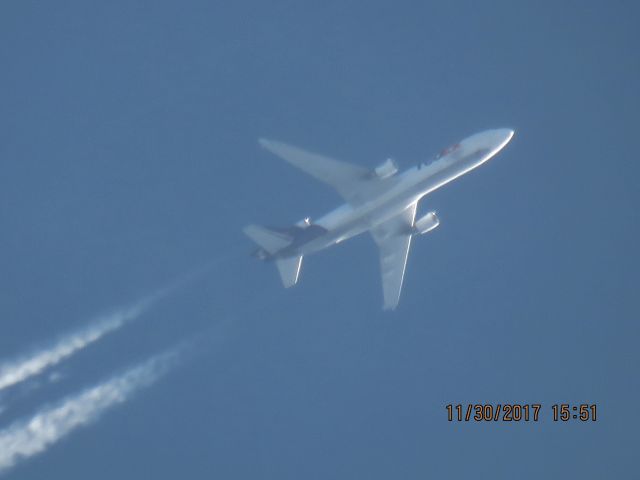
<point>394,238</point>
<point>352,182</point>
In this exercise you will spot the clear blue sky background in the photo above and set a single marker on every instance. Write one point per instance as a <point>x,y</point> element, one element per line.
<point>128,156</point>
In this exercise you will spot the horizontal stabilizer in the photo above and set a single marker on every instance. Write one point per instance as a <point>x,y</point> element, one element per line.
<point>268,239</point>
<point>289,269</point>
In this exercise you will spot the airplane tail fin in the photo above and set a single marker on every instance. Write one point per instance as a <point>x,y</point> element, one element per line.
<point>271,242</point>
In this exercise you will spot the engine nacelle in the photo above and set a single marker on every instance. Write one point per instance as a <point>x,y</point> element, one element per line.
<point>304,223</point>
<point>427,223</point>
<point>386,169</point>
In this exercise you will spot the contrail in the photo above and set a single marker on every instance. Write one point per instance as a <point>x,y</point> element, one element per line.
<point>26,438</point>
<point>20,369</point>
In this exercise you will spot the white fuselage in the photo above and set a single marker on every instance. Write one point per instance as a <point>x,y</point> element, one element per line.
<point>406,188</point>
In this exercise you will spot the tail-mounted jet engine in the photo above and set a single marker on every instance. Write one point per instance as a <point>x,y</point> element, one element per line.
<point>304,223</point>
<point>427,223</point>
<point>386,169</point>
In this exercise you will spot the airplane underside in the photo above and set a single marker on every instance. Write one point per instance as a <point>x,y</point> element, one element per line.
<point>379,201</point>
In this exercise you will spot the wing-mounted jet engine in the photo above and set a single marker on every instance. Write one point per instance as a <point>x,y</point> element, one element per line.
<point>386,169</point>
<point>426,224</point>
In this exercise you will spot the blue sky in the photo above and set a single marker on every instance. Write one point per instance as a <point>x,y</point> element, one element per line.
<point>129,155</point>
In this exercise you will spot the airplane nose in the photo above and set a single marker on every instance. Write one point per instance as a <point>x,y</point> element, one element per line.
<point>502,136</point>
<point>506,134</point>
<point>490,140</point>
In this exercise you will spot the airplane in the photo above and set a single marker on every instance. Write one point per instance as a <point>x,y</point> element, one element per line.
<point>380,201</point>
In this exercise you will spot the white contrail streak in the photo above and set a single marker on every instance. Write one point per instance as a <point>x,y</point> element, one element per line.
<point>20,369</point>
<point>26,438</point>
